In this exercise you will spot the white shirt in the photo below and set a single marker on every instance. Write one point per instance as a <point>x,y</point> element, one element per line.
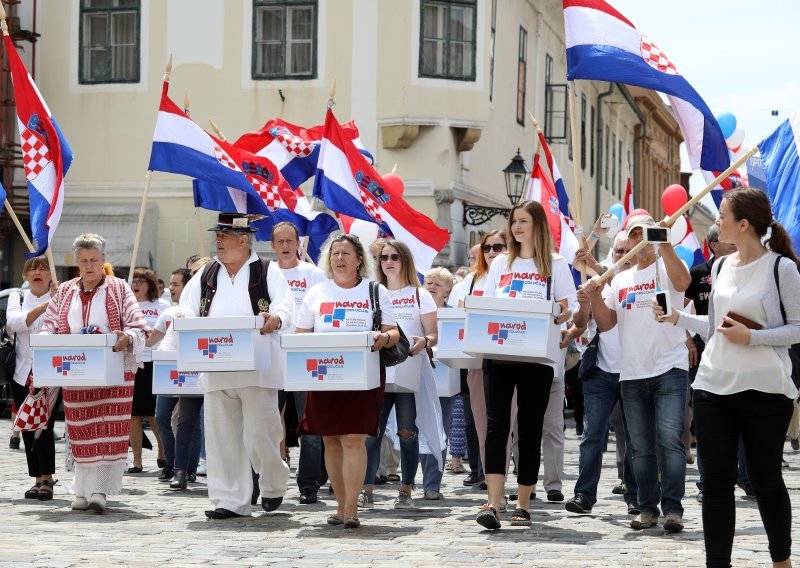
<point>232,298</point>
<point>726,368</point>
<point>608,353</point>
<point>151,310</point>
<point>408,311</point>
<point>301,279</point>
<point>522,280</point>
<point>329,308</point>
<point>648,348</point>
<point>15,323</point>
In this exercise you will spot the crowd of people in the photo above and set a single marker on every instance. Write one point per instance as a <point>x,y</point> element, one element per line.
<point>716,366</point>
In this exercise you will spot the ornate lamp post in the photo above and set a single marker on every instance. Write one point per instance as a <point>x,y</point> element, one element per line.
<point>516,175</point>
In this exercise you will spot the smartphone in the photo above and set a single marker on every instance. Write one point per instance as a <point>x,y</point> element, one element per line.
<point>608,222</point>
<point>656,234</point>
<point>663,300</point>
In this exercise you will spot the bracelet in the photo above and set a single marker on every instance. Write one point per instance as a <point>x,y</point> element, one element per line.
<point>427,342</point>
<point>594,236</point>
<point>388,338</point>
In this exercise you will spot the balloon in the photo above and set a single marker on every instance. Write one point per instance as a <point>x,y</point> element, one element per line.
<point>364,230</point>
<point>685,255</point>
<point>727,123</point>
<point>635,213</point>
<point>617,210</point>
<point>739,152</point>
<point>732,151</point>
<point>678,230</point>
<point>736,138</point>
<point>673,198</point>
<point>394,184</point>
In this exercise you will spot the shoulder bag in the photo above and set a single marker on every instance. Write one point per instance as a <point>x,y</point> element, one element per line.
<point>390,356</point>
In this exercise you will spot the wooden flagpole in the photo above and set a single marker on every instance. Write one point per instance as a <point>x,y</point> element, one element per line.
<point>576,170</point>
<point>672,218</point>
<point>200,237</point>
<point>17,223</point>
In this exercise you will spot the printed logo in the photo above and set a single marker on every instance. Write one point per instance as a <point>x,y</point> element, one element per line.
<point>335,313</point>
<point>69,364</point>
<point>179,379</point>
<point>513,283</point>
<point>501,331</point>
<point>627,296</point>
<point>319,368</point>
<point>213,347</point>
<point>461,334</point>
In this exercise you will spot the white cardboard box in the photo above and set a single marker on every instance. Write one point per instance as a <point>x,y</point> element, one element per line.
<point>451,340</point>
<point>167,380</point>
<point>448,379</point>
<point>406,376</point>
<point>512,329</point>
<point>330,361</point>
<point>77,360</point>
<point>228,343</point>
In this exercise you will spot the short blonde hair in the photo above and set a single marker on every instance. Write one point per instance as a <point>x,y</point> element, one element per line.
<point>442,274</point>
<point>365,269</point>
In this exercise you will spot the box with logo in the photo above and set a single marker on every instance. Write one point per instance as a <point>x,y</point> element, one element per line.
<point>167,380</point>
<point>228,343</point>
<point>448,379</point>
<point>451,340</point>
<point>513,329</point>
<point>330,361</point>
<point>406,376</point>
<point>77,360</point>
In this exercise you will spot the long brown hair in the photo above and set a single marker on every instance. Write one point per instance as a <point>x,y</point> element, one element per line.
<point>406,258</point>
<point>753,205</point>
<point>481,267</point>
<point>542,239</point>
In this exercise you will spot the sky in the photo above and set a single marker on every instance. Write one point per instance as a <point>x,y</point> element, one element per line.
<point>741,56</point>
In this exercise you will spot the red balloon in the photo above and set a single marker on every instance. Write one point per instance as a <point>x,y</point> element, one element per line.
<point>635,213</point>
<point>393,183</point>
<point>673,198</point>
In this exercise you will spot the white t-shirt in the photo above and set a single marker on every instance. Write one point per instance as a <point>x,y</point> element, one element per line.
<point>151,310</point>
<point>467,283</point>
<point>522,280</point>
<point>648,348</point>
<point>408,312</point>
<point>17,314</point>
<point>301,279</point>
<point>329,308</point>
<point>608,353</point>
<point>726,368</point>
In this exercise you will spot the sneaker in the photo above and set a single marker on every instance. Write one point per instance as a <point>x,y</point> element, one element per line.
<point>166,474</point>
<point>365,500</point>
<point>482,485</point>
<point>644,520</point>
<point>79,504</point>
<point>14,442</point>
<point>633,509</point>
<point>619,489</point>
<point>555,496</point>
<point>431,495</point>
<point>673,523</point>
<point>578,504</point>
<point>97,502</point>
<point>201,468</point>
<point>403,501</point>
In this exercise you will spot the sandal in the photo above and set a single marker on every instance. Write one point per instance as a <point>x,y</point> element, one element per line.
<point>33,492</point>
<point>335,520</point>
<point>393,477</point>
<point>520,518</point>
<point>351,522</point>
<point>46,490</point>
<point>488,517</point>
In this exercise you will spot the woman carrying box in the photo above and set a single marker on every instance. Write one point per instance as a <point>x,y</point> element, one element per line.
<point>98,418</point>
<point>344,419</point>
<point>530,270</point>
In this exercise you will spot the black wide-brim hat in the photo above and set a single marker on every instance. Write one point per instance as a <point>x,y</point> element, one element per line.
<point>236,222</point>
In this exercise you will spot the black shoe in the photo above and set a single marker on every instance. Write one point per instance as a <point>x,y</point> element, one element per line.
<point>578,504</point>
<point>14,442</point>
<point>555,496</point>
<point>579,432</point>
<point>482,485</point>
<point>381,479</point>
<point>161,463</point>
<point>633,509</point>
<point>256,493</point>
<point>308,497</point>
<point>472,479</point>
<point>167,473</point>
<point>179,483</point>
<point>134,469</point>
<point>269,504</point>
<point>192,477</point>
<point>218,514</point>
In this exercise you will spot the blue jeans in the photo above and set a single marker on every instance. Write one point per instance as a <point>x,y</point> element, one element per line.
<point>164,407</point>
<point>406,411</point>
<point>188,439</point>
<point>600,395</point>
<point>311,474</point>
<point>654,409</point>
<point>431,474</point>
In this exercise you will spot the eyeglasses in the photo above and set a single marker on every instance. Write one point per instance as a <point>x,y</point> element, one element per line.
<point>497,247</point>
<point>138,281</point>
<point>620,251</point>
<point>394,257</point>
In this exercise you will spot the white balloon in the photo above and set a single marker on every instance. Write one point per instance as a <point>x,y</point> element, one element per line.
<point>364,230</point>
<point>679,229</point>
<point>742,151</point>
<point>735,140</point>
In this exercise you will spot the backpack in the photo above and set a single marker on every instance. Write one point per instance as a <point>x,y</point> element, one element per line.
<point>257,287</point>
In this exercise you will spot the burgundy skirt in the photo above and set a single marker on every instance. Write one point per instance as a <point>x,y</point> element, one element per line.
<point>337,413</point>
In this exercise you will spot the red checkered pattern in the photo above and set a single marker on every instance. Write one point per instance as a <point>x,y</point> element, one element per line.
<point>656,58</point>
<point>33,414</point>
<point>35,154</point>
<point>295,145</point>
<point>269,193</point>
<point>224,159</point>
<point>370,205</point>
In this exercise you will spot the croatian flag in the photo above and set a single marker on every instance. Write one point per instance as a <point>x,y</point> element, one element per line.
<point>690,242</point>
<point>627,202</point>
<point>604,45</point>
<point>349,185</point>
<point>294,149</point>
<point>543,190</point>
<point>46,155</point>
<point>780,157</point>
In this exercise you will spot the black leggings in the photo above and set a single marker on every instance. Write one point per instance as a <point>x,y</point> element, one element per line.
<point>41,453</point>
<point>532,381</point>
<point>762,420</point>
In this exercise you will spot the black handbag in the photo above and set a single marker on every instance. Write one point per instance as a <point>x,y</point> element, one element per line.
<point>8,352</point>
<point>390,356</point>
<point>588,363</point>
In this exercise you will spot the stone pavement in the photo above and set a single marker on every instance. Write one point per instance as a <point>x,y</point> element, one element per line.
<point>151,526</point>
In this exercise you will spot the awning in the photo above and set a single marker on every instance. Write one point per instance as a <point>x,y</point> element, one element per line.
<point>114,222</point>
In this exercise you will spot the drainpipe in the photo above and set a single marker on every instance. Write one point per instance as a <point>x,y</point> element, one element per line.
<point>600,171</point>
<point>637,139</point>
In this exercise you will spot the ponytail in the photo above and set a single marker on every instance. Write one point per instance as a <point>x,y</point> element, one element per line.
<point>108,269</point>
<point>780,242</point>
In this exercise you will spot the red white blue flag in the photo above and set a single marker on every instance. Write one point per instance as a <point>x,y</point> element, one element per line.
<point>543,190</point>
<point>46,155</point>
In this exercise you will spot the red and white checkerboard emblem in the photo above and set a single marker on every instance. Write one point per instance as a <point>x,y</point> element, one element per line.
<point>33,414</point>
<point>656,58</point>
<point>370,205</point>
<point>35,153</point>
<point>269,193</point>
<point>224,159</point>
<point>294,145</point>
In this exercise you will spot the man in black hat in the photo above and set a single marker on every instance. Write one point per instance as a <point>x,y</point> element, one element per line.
<point>242,423</point>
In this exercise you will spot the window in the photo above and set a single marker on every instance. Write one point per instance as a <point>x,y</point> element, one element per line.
<point>491,50</point>
<point>555,105</point>
<point>583,131</point>
<point>605,160</point>
<point>447,39</point>
<point>284,39</point>
<point>522,70</point>
<point>109,39</point>
<point>613,163</point>
<point>619,168</point>
<point>591,144</point>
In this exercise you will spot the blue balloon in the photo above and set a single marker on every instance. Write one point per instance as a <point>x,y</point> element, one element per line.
<point>727,123</point>
<point>618,211</point>
<point>685,255</point>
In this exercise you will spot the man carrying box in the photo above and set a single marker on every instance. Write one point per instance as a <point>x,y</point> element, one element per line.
<point>242,422</point>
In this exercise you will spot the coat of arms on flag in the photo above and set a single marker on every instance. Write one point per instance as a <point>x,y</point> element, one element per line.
<point>35,152</point>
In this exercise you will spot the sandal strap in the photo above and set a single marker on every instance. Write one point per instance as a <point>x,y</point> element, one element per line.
<point>50,484</point>
<point>518,512</point>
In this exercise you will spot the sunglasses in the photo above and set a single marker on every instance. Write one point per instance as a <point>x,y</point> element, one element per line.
<point>394,257</point>
<point>497,247</point>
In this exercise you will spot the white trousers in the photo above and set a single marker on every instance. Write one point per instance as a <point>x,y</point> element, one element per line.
<point>243,427</point>
<point>553,437</point>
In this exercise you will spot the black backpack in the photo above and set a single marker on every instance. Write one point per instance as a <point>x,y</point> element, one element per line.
<point>257,287</point>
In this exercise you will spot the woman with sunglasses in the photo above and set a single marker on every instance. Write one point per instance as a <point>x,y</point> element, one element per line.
<point>415,312</point>
<point>541,275</point>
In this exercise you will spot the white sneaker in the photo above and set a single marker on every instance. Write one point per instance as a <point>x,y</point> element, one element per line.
<point>97,502</point>
<point>201,468</point>
<point>79,503</point>
<point>403,501</point>
<point>365,500</point>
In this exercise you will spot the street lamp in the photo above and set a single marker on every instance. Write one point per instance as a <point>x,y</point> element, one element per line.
<point>516,175</point>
